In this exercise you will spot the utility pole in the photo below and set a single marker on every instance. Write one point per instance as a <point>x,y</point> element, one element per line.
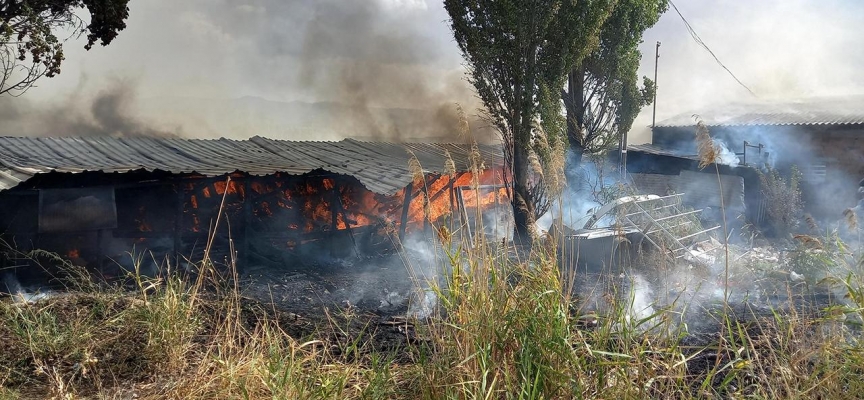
<point>656,61</point>
<point>622,148</point>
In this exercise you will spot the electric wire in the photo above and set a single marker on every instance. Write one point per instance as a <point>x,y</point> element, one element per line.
<point>705,46</point>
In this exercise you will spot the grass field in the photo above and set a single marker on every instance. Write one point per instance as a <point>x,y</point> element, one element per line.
<point>502,330</point>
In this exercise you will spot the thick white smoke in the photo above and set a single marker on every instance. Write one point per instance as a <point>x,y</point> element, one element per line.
<point>726,156</point>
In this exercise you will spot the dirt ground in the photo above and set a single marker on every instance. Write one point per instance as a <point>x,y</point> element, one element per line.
<point>374,299</point>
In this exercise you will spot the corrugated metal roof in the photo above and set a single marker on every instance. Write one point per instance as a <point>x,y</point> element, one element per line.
<point>660,151</point>
<point>846,110</point>
<point>381,167</point>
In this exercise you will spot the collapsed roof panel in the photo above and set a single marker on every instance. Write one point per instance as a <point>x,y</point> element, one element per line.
<point>381,167</point>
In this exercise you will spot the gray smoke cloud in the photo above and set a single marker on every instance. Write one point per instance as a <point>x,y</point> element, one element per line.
<point>109,112</point>
<point>308,69</point>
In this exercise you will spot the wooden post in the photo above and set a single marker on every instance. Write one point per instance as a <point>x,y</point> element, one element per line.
<point>247,221</point>
<point>454,209</point>
<point>340,208</point>
<point>406,205</point>
<point>426,206</point>
<point>178,222</point>
<point>450,193</point>
<point>333,237</point>
<point>463,212</point>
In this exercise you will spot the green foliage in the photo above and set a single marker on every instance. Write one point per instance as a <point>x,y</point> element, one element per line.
<point>29,46</point>
<point>816,259</point>
<point>603,95</point>
<point>518,54</point>
<point>782,198</point>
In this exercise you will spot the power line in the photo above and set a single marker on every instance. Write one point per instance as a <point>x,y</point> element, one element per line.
<point>705,46</point>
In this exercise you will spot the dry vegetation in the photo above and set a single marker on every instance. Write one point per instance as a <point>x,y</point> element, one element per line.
<point>504,330</point>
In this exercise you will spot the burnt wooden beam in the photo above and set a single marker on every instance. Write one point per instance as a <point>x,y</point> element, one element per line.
<point>247,220</point>
<point>450,183</point>
<point>340,208</point>
<point>445,190</point>
<point>334,213</point>
<point>178,221</point>
<point>463,212</point>
<point>427,202</point>
<point>406,205</point>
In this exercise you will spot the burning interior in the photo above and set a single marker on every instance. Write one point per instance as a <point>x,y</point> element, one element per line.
<point>93,200</point>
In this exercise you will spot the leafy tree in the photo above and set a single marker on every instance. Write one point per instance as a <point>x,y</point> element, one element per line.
<point>603,95</point>
<point>29,45</point>
<point>519,53</point>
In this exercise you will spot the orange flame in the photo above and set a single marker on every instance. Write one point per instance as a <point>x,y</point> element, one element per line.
<point>311,205</point>
<point>233,187</point>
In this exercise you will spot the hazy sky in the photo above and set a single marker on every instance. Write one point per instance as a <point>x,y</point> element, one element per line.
<point>399,53</point>
<point>781,49</point>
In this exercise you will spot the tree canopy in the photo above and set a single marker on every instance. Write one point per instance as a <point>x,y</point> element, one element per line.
<point>29,44</point>
<point>603,95</point>
<point>518,54</point>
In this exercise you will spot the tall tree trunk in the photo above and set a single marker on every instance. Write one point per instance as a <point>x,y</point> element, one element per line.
<point>575,107</point>
<point>523,208</point>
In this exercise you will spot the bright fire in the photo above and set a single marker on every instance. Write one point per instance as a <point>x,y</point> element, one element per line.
<point>286,203</point>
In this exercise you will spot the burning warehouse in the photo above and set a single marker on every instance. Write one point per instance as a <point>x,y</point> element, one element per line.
<point>93,200</point>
